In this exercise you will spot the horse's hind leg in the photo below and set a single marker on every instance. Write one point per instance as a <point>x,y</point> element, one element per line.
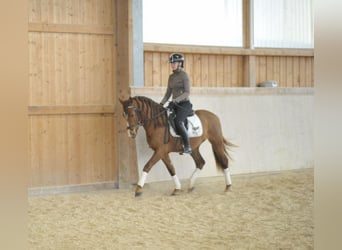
<point>228,178</point>
<point>221,158</point>
<point>196,155</point>
<point>167,161</point>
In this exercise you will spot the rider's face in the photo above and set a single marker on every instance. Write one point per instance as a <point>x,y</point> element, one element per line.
<point>175,65</point>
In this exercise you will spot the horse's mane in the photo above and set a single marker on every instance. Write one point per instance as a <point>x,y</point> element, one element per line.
<point>152,111</point>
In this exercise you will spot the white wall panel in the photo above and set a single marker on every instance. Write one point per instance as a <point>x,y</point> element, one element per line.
<point>273,128</point>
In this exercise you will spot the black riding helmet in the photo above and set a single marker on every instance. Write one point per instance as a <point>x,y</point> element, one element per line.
<point>175,57</point>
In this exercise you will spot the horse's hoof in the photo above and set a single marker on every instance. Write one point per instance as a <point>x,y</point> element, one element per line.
<point>138,194</point>
<point>228,187</point>
<point>191,189</point>
<point>176,192</point>
<point>138,191</point>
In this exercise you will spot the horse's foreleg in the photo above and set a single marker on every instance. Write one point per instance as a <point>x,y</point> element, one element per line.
<point>196,155</point>
<point>177,183</point>
<point>167,161</point>
<point>153,160</point>
<point>141,183</point>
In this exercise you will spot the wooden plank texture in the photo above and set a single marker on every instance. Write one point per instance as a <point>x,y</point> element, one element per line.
<point>70,69</point>
<point>165,69</point>
<point>90,12</point>
<point>68,150</point>
<point>227,67</point>
<point>148,69</point>
<point>68,109</point>
<point>72,83</point>
<point>71,28</point>
<point>156,69</point>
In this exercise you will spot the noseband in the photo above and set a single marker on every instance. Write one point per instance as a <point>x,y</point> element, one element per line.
<point>138,114</point>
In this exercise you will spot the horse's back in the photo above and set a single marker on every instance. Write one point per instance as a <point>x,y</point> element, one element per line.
<point>208,118</point>
<point>212,129</point>
<point>206,115</point>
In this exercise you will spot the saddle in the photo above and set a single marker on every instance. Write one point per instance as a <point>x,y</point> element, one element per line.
<point>192,123</point>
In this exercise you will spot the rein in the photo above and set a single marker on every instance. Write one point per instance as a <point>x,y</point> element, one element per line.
<point>140,122</point>
<point>153,118</point>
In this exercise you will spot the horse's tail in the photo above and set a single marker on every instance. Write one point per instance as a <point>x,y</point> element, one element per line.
<point>221,153</point>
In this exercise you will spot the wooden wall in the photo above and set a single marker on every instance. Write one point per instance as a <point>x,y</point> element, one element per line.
<point>204,70</point>
<point>72,92</point>
<point>288,71</point>
<point>224,67</point>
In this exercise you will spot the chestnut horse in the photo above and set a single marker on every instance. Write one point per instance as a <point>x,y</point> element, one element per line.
<point>144,112</point>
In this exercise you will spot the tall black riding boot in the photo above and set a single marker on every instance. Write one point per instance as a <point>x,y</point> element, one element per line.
<point>184,134</point>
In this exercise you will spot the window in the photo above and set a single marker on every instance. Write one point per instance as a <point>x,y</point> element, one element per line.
<point>195,22</point>
<point>277,23</point>
<point>283,23</point>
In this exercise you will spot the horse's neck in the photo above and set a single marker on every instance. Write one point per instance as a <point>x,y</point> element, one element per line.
<point>150,120</point>
<point>155,137</point>
<point>150,132</point>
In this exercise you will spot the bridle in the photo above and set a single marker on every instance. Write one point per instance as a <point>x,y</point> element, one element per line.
<point>138,114</point>
<point>140,122</point>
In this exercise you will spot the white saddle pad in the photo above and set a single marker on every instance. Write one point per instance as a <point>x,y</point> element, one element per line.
<point>195,128</point>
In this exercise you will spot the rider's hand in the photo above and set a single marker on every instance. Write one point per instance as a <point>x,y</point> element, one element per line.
<point>171,105</point>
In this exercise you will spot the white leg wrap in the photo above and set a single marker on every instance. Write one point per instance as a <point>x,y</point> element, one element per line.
<point>176,181</point>
<point>227,176</point>
<point>194,176</point>
<point>142,179</point>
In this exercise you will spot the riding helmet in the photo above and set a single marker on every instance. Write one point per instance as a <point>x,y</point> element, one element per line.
<point>175,57</point>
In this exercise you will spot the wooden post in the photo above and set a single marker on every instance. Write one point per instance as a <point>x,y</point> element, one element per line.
<point>138,44</point>
<point>249,71</point>
<point>126,156</point>
<point>248,60</point>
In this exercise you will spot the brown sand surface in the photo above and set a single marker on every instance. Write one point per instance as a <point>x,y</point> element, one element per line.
<point>262,211</point>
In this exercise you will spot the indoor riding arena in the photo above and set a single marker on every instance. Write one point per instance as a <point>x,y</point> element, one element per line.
<point>87,56</point>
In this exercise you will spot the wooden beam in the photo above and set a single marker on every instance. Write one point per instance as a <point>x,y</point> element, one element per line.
<point>282,52</point>
<point>71,28</point>
<point>71,110</point>
<point>193,49</point>
<point>126,155</point>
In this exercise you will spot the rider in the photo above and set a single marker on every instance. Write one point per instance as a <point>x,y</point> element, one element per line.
<point>179,87</point>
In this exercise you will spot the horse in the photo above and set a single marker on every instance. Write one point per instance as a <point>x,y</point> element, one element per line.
<point>141,111</point>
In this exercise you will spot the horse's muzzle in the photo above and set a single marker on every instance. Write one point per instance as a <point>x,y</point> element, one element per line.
<point>132,135</point>
<point>132,132</point>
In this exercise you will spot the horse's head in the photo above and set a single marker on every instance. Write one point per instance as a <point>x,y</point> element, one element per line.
<point>132,116</point>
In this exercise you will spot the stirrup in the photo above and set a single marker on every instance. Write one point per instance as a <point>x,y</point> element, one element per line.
<point>186,150</point>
